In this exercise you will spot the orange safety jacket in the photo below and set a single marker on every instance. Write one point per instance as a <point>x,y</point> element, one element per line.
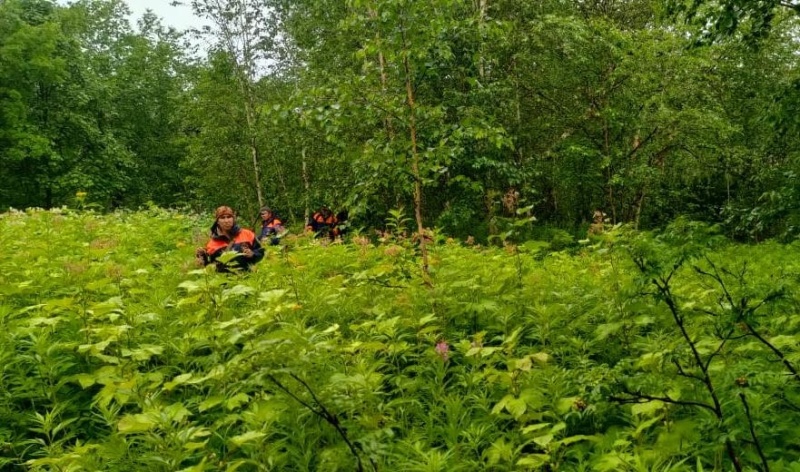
<point>271,230</point>
<point>319,223</point>
<point>219,243</point>
<point>270,226</point>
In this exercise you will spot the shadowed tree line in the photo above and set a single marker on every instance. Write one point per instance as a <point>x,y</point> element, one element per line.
<point>469,114</point>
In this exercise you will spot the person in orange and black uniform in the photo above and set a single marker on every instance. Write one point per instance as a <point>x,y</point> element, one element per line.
<point>324,223</point>
<point>271,227</point>
<point>226,235</point>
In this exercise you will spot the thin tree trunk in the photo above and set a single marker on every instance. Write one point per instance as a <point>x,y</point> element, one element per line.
<point>482,6</point>
<point>256,172</point>
<point>306,184</point>
<point>639,203</point>
<point>610,171</point>
<point>253,143</point>
<point>284,188</point>
<point>245,70</point>
<point>387,120</point>
<point>415,161</point>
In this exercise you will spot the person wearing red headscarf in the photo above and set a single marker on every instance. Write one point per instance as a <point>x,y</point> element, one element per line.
<point>226,235</point>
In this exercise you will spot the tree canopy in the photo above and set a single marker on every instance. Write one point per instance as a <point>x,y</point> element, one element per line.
<point>468,114</point>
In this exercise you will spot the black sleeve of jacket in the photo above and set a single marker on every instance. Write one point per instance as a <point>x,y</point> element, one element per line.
<point>258,251</point>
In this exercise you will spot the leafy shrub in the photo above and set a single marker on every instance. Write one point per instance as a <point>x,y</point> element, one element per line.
<point>118,353</point>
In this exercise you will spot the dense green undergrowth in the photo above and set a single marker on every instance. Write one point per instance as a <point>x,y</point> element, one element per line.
<point>635,352</point>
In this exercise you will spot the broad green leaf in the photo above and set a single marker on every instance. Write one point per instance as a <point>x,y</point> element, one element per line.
<point>85,380</point>
<point>331,329</point>
<point>249,436</point>
<point>143,352</point>
<point>193,446</point>
<point>271,297</point>
<point>176,412</point>
<point>573,439</point>
<point>647,408</point>
<point>534,460</point>
<point>784,341</point>
<point>516,406</point>
<point>564,405</point>
<point>534,428</point>
<point>543,440</point>
<point>237,291</point>
<point>237,401</point>
<point>540,357</point>
<point>427,319</point>
<point>210,403</point>
<point>136,423</point>
<point>189,285</point>
<point>178,380</point>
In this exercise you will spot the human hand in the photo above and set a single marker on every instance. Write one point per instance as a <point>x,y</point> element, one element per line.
<point>200,256</point>
<point>246,251</point>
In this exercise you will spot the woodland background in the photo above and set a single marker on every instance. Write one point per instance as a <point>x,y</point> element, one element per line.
<point>515,122</point>
<point>476,111</point>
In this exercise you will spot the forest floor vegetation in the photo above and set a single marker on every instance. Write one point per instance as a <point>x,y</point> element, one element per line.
<point>632,351</point>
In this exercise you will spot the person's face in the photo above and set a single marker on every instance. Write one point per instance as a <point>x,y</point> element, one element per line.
<point>225,222</point>
<point>265,215</point>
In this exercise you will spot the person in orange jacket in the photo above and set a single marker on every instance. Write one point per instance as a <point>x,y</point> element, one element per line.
<point>226,235</point>
<point>271,227</point>
<point>324,223</point>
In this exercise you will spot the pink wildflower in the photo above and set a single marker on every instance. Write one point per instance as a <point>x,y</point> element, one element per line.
<point>443,350</point>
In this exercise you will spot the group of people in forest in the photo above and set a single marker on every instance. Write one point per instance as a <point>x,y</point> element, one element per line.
<point>228,236</point>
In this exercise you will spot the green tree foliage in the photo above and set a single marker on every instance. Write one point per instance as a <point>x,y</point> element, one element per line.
<point>87,105</point>
<point>44,102</point>
<point>473,114</point>
<point>149,91</point>
<point>404,75</point>
<point>244,33</point>
<point>716,19</point>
